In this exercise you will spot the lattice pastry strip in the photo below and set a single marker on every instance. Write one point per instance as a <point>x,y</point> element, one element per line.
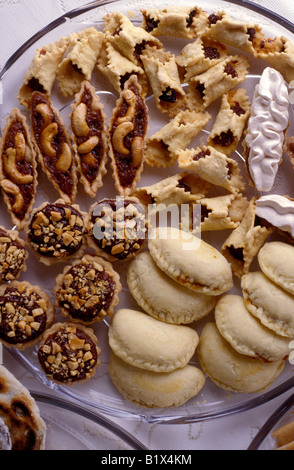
<point>41,73</point>
<point>127,130</point>
<point>18,168</point>
<point>78,65</point>
<point>207,87</point>
<point>130,40</point>
<point>178,133</point>
<point>163,75</point>
<point>177,21</point>
<point>90,138</point>
<point>212,166</point>
<point>230,121</point>
<point>198,56</point>
<point>245,241</point>
<point>118,68</point>
<point>53,146</point>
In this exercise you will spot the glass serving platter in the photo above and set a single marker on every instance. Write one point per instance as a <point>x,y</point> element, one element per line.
<point>99,393</point>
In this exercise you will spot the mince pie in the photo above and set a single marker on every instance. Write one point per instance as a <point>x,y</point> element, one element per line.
<point>69,353</point>
<point>53,146</point>
<point>25,313</point>
<point>56,232</point>
<point>18,168</point>
<point>90,138</point>
<point>88,289</point>
<point>127,133</point>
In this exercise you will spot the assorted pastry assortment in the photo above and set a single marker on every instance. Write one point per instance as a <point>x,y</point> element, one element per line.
<point>176,278</point>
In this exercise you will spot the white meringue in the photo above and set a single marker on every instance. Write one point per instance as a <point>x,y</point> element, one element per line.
<point>277,210</point>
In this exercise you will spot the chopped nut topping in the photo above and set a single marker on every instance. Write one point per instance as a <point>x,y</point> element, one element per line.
<point>12,257</point>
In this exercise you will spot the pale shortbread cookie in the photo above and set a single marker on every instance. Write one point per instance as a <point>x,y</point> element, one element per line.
<point>212,166</point>
<point>150,344</point>
<point>271,304</point>
<point>245,333</point>
<point>190,261</point>
<point>276,261</point>
<point>169,302</point>
<point>155,389</point>
<point>231,370</point>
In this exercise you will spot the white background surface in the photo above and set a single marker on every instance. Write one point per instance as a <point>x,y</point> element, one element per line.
<point>19,20</point>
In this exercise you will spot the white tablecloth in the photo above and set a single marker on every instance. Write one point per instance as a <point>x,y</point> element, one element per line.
<point>19,20</point>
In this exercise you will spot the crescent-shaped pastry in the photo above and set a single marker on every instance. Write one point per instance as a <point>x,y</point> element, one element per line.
<point>90,138</point>
<point>18,168</point>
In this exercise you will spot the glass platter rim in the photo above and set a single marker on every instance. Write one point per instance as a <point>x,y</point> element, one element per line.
<point>139,415</point>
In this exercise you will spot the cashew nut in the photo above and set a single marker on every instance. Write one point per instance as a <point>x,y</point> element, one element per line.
<point>89,144</point>
<point>78,120</point>
<point>47,136</point>
<point>89,159</point>
<point>137,151</point>
<point>46,113</point>
<point>65,159</point>
<point>130,98</point>
<point>10,167</point>
<point>20,146</point>
<point>118,137</point>
<point>11,188</point>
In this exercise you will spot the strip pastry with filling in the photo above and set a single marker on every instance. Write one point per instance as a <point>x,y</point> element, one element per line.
<point>56,231</point>
<point>245,241</point>
<point>127,132</point>
<point>13,255</point>
<point>69,353</point>
<point>41,73</point>
<point>230,121</point>
<point>180,188</point>
<point>212,166</point>
<point>19,415</point>
<point>117,228</point>
<point>25,313</point>
<point>53,146</point>
<point>87,290</point>
<point>279,54</point>
<point>207,87</point>
<point>178,133</point>
<point>90,138</point>
<point>18,168</point>
<point>177,21</point>
<point>162,72</point>
<point>220,212</point>
<point>130,40</point>
<point>78,65</point>
<point>199,56</point>
<point>118,68</point>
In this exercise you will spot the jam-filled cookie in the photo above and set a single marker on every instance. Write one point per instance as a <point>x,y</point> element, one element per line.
<point>56,231</point>
<point>18,168</point>
<point>83,50</point>
<point>127,133</point>
<point>117,228</point>
<point>13,255</point>
<point>176,21</point>
<point>53,145</point>
<point>88,289</point>
<point>69,353</point>
<point>25,313</point>
<point>90,138</point>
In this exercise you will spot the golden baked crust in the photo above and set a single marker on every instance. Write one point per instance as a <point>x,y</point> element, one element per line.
<point>87,290</point>
<point>26,312</point>
<point>90,138</point>
<point>18,168</point>
<point>69,353</point>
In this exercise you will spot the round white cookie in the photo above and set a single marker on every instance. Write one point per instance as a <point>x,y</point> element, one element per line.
<point>245,332</point>
<point>276,261</point>
<point>162,297</point>
<point>190,261</point>
<point>147,343</point>
<point>267,301</point>
<point>231,370</point>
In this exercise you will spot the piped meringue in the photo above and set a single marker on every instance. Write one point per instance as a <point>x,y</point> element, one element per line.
<point>277,210</point>
<point>266,126</point>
